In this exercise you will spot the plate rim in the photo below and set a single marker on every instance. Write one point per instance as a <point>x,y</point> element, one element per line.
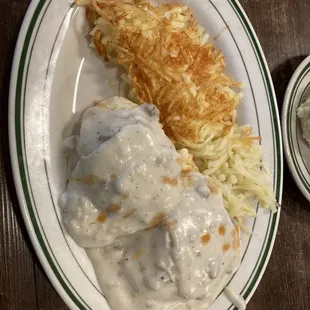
<point>288,103</point>
<point>26,24</point>
<point>245,21</point>
<point>15,159</point>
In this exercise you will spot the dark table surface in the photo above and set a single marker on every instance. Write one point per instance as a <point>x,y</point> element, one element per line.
<point>283,29</point>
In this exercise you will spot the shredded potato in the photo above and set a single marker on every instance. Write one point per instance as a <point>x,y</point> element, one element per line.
<point>169,62</point>
<point>234,163</point>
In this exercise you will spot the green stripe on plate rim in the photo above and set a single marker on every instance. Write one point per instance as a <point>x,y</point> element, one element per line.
<point>277,148</point>
<point>19,148</point>
<point>20,154</point>
<point>299,79</point>
<point>267,231</point>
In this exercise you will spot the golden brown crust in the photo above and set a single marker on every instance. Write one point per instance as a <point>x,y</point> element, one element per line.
<point>169,67</point>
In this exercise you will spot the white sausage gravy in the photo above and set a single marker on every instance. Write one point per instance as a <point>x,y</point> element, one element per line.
<point>156,232</point>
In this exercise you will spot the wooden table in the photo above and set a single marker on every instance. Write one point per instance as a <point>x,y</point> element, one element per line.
<point>283,29</point>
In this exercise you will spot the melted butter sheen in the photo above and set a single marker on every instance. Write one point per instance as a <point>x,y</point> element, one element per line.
<point>138,266</point>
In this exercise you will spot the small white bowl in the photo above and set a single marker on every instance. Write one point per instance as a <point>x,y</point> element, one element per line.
<point>296,148</point>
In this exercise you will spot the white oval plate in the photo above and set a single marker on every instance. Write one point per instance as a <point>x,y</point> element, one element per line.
<point>297,150</point>
<point>56,76</point>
